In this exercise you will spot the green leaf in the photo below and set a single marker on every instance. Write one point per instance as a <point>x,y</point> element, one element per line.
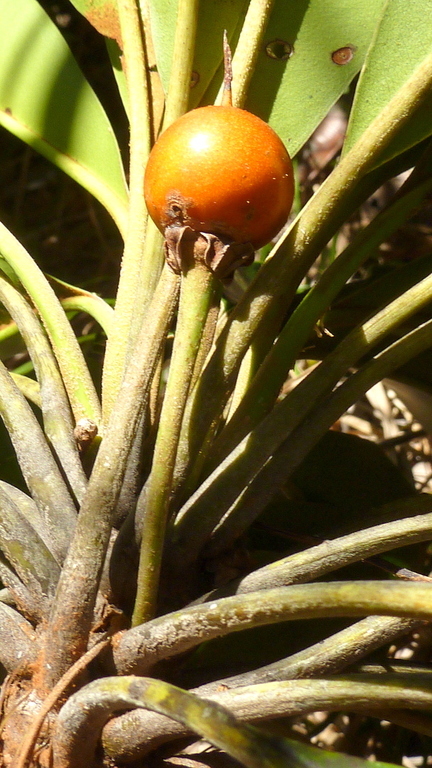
<point>46,101</point>
<point>294,94</point>
<point>402,41</point>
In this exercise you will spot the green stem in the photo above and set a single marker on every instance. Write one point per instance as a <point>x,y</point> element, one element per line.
<point>72,612</point>
<point>267,383</point>
<point>140,648</point>
<point>328,656</point>
<point>337,553</point>
<point>38,465</point>
<point>79,386</point>
<point>247,49</point>
<point>195,300</point>
<point>228,482</point>
<point>121,339</point>
<point>90,708</point>
<point>94,306</point>
<point>57,417</point>
<point>28,387</point>
<point>319,420</point>
<point>277,280</point>
<point>181,68</point>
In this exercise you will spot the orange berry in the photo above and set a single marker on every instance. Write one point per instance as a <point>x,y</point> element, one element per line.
<point>220,170</point>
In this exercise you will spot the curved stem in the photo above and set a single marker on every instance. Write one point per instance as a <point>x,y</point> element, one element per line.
<point>57,416</point>
<point>195,299</point>
<point>136,734</point>
<point>328,656</point>
<point>76,377</point>
<point>331,555</point>
<point>121,340</point>
<point>81,719</point>
<point>225,487</point>
<point>140,648</point>
<point>94,306</point>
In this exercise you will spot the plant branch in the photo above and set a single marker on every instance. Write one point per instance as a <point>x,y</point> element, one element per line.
<point>136,734</point>
<point>82,718</point>
<point>226,485</point>
<point>181,67</point>
<point>94,306</point>
<point>195,299</point>
<point>294,449</point>
<point>331,555</point>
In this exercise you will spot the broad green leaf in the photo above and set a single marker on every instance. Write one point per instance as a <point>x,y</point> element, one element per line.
<point>214,17</point>
<point>294,94</point>
<point>403,39</point>
<point>46,101</point>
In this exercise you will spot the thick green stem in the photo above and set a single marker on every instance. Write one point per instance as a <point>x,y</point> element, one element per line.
<point>72,612</point>
<point>290,454</point>
<point>195,300</point>
<point>247,49</point>
<point>181,68</point>
<point>121,342</point>
<point>225,487</point>
<point>138,649</point>
<point>82,395</point>
<point>271,375</point>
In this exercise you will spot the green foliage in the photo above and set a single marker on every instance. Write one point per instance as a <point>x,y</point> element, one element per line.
<point>401,41</point>
<point>46,101</point>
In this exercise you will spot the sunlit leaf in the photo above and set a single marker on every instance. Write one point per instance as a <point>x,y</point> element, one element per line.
<point>46,101</point>
<point>300,71</point>
<point>403,40</point>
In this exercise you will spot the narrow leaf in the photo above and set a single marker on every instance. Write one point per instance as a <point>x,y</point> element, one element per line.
<point>46,101</point>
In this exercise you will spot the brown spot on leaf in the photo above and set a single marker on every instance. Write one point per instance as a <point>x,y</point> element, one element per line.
<point>343,55</point>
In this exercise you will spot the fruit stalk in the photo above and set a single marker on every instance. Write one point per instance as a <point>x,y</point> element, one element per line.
<point>197,287</point>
